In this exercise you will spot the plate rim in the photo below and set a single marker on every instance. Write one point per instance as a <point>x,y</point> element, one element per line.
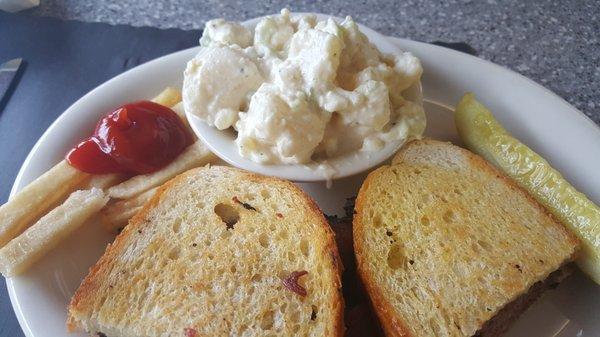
<point>485,62</point>
<point>20,315</point>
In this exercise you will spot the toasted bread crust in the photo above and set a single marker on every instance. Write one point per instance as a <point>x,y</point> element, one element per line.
<point>90,285</point>
<point>391,321</point>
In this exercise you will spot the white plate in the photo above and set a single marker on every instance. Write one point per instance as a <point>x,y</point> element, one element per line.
<point>541,119</point>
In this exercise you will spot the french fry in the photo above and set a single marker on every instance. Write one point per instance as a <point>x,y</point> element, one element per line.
<point>168,97</point>
<point>195,155</point>
<point>178,109</point>
<point>37,198</point>
<point>103,181</point>
<point>50,230</point>
<point>116,215</point>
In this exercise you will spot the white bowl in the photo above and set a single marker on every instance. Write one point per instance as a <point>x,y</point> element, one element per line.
<point>221,142</point>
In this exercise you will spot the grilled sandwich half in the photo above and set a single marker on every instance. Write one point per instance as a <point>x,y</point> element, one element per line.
<point>448,246</point>
<point>217,252</point>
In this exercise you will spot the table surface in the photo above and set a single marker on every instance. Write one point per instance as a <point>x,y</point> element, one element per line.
<point>554,43</point>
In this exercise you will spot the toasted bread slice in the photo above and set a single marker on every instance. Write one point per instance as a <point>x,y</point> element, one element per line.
<point>216,252</point>
<point>444,242</point>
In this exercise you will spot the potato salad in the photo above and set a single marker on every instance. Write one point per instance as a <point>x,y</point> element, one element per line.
<point>298,90</point>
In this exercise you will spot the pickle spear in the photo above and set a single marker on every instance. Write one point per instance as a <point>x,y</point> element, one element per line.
<point>484,135</point>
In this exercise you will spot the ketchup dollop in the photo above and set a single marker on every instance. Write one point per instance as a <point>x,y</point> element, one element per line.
<point>136,138</point>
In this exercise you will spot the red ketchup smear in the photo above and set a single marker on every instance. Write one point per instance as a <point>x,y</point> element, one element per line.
<point>136,138</point>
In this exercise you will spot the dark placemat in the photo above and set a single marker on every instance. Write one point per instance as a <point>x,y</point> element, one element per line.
<point>63,60</point>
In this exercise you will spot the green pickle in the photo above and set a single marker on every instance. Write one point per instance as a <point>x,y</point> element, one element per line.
<point>484,135</point>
